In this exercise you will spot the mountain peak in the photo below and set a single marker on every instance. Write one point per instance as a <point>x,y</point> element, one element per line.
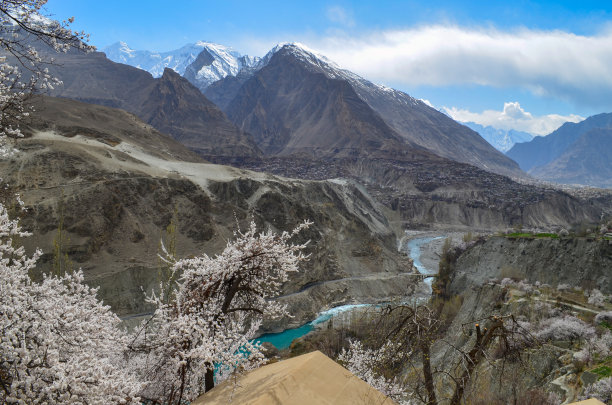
<point>301,52</point>
<point>169,74</point>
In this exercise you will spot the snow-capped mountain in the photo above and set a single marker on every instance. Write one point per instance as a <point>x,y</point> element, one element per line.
<point>275,102</point>
<point>216,62</point>
<point>201,63</point>
<point>320,62</point>
<point>501,139</point>
<point>153,62</point>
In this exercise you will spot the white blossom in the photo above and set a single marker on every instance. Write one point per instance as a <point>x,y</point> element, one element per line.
<point>364,363</point>
<point>565,327</point>
<point>21,26</point>
<point>597,298</point>
<point>205,322</point>
<point>59,343</point>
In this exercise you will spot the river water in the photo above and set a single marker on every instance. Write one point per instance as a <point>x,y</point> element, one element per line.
<point>414,250</point>
<point>283,340</point>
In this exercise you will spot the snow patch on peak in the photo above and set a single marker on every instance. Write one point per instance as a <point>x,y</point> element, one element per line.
<point>320,63</point>
<point>226,61</point>
<point>302,52</point>
<point>501,139</point>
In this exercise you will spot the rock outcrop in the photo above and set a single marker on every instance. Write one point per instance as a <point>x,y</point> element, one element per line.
<point>578,262</point>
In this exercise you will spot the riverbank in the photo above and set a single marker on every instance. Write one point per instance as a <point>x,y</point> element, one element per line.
<point>430,252</point>
<point>423,247</point>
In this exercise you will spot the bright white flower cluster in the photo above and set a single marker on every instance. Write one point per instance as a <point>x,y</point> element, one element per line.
<point>203,325</point>
<point>597,298</point>
<point>566,327</point>
<point>363,362</point>
<point>59,343</point>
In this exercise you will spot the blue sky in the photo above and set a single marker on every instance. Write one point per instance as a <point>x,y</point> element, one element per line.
<point>527,65</point>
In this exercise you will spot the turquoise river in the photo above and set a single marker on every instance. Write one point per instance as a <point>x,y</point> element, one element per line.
<point>282,340</point>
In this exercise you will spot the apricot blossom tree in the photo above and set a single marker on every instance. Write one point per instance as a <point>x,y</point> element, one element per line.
<point>202,328</point>
<point>59,343</point>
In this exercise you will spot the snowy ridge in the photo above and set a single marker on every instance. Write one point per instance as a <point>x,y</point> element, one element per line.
<point>153,62</point>
<point>225,62</point>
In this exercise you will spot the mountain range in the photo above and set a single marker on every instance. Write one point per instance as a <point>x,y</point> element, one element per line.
<point>202,63</point>
<point>300,116</point>
<point>500,139</point>
<point>576,153</point>
<point>414,122</point>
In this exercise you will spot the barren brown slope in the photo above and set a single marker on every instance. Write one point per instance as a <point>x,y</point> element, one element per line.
<point>174,106</point>
<point>169,103</point>
<point>116,184</point>
<point>293,109</point>
<point>104,124</point>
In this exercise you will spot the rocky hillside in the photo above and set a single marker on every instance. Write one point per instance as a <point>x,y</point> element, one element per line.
<point>441,193</point>
<point>115,185</point>
<point>578,262</point>
<point>552,308</point>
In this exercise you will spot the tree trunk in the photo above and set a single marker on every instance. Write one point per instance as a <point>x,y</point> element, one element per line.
<point>209,379</point>
<point>473,358</point>
<point>429,383</point>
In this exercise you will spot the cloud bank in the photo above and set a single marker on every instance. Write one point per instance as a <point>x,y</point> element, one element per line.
<point>548,63</point>
<point>513,116</point>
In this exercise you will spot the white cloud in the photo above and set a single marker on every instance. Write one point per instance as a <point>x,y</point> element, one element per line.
<point>552,63</point>
<point>513,116</point>
<point>340,15</point>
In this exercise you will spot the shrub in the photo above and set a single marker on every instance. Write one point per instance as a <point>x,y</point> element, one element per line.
<point>603,317</point>
<point>565,328</point>
<point>601,390</point>
<point>597,298</point>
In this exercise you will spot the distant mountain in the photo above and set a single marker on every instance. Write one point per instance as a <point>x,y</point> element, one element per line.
<point>587,161</point>
<point>500,139</point>
<point>170,103</point>
<point>201,63</point>
<point>544,149</point>
<point>295,99</point>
